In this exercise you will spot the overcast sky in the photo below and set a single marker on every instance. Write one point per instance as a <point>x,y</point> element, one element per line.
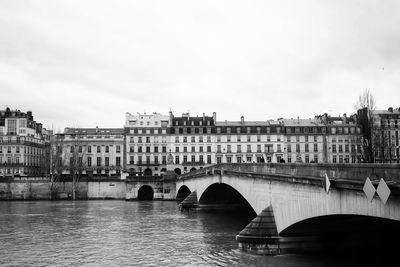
<point>86,63</point>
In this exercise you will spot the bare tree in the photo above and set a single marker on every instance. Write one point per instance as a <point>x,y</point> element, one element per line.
<point>365,107</point>
<point>55,161</point>
<point>77,161</point>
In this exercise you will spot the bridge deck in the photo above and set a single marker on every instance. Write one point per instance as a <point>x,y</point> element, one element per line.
<point>349,176</point>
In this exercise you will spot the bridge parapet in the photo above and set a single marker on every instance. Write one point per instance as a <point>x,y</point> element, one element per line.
<point>351,172</point>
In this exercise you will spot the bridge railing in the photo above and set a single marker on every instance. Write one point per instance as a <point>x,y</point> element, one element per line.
<point>353,172</point>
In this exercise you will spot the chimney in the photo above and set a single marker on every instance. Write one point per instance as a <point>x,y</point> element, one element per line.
<point>390,109</point>
<point>344,118</point>
<point>242,120</point>
<point>214,116</point>
<point>204,116</point>
<point>298,120</point>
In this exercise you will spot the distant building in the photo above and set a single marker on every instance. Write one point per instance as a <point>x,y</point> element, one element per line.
<point>324,139</point>
<point>387,123</point>
<point>151,144</point>
<point>147,143</point>
<point>24,144</point>
<point>95,151</point>
<point>192,142</point>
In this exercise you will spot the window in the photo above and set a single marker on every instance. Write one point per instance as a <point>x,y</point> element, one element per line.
<point>89,149</point>
<point>184,149</point>
<point>107,161</point>
<point>72,149</point>
<point>218,148</point>
<point>156,149</point>
<point>208,148</point>
<point>306,147</point>
<point>248,148</point>
<point>248,138</point>
<point>107,149</point>
<point>98,149</point>
<point>219,160</point>
<point>208,139</point>
<point>334,149</point>
<point>201,149</point>
<point>176,159</point>
<point>201,158</point>
<point>193,158</point>
<point>118,148</point>
<point>193,139</point>
<point>80,149</point>
<point>98,161</point>
<point>208,159</point>
<point>239,159</point>
<point>239,148</point>
<point>177,149</point>
<point>248,158</point>
<point>315,147</point>
<point>193,149</point>
<point>147,149</point>
<point>118,161</point>
<point>229,159</point>
<point>89,161</point>
<point>297,147</point>
<point>278,148</point>
<point>164,149</point>
<point>184,158</point>
<point>185,139</point>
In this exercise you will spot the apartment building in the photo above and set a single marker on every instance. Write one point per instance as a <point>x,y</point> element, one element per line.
<point>24,144</point>
<point>94,151</point>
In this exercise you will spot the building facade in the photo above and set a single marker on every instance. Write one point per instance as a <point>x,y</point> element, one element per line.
<point>151,144</point>
<point>24,145</point>
<point>387,123</point>
<point>91,151</point>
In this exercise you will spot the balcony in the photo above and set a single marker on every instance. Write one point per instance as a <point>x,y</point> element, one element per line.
<point>148,163</point>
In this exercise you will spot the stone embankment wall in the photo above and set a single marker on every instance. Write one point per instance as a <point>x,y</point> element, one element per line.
<point>40,189</point>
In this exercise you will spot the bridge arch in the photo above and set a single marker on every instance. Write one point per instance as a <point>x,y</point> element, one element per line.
<point>182,193</point>
<point>145,192</point>
<point>224,197</point>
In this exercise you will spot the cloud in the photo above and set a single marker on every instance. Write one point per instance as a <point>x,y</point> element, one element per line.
<point>90,63</point>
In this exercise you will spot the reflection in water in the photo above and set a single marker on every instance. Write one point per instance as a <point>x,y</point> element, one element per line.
<point>118,233</point>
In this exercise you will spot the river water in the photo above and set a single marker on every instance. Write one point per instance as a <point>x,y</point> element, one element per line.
<point>119,233</point>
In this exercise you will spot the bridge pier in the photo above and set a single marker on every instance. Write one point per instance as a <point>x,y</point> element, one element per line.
<point>260,236</point>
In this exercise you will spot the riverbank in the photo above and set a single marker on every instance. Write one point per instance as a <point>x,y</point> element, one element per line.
<point>106,188</point>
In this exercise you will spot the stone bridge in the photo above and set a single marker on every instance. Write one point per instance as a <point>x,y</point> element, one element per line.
<point>303,206</point>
